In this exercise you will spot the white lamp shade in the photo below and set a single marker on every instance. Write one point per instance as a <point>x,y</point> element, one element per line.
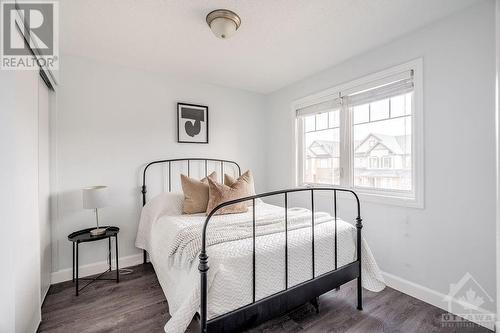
<point>223,27</point>
<point>95,197</point>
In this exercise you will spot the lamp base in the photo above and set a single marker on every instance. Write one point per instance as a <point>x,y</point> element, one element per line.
<point>98,231</point>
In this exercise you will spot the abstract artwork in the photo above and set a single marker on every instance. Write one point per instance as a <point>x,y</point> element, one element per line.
<point>192,123</point>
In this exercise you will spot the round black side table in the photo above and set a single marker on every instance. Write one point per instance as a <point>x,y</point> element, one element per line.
<point>83,236</point>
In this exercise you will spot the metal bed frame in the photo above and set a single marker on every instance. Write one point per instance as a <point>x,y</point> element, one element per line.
<point>291,297</point>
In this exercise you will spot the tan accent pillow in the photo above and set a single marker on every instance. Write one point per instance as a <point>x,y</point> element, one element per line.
<point>219,193</point>
<point>247,177</point>
<point>195,194</point>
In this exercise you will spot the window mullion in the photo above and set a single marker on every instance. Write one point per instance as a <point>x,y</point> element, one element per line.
<point>301,162</point>
<point>345,143</point>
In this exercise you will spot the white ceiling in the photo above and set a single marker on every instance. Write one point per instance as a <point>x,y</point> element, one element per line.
<point>279,41</point>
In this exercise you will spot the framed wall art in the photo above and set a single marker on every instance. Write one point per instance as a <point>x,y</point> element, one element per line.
<point>192,123</point>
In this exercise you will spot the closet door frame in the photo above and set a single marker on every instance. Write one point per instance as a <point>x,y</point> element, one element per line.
<point>44,182</point>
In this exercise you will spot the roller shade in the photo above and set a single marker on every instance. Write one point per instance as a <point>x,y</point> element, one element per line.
<point>327,105</point>
<point>388,87</point>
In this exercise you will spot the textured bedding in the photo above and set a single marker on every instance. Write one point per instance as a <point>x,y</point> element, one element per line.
<point>171,239</point>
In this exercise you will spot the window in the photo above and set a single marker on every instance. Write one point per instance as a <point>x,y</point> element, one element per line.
<point>387,162</point>
<point>373,163</point>
<point>384,134</point>
<point>365,135</point>
<point>322,155</point>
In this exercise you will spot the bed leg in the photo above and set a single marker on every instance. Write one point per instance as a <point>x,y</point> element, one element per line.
<point>360,298</point>
<point>144,256</point>
<point>203,268</point>
<point>315,303</point>
<point>359,226</point>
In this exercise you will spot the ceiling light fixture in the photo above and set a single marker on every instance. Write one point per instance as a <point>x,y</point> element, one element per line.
<point>223,22</point>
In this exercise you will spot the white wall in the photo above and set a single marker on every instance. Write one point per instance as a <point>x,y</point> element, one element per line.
<point>111,120</point>
<point>455,233</point>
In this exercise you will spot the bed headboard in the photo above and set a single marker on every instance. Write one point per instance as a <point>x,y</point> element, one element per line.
<point>204,162</point>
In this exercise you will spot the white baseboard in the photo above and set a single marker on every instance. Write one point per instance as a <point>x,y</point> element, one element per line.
<point>427,295</point>
<point>95,268</point>
<point>45,294</point>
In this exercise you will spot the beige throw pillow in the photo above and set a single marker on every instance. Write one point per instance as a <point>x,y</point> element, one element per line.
<point>247,177</point>
<point>195,194</point>
<point>239,188</point>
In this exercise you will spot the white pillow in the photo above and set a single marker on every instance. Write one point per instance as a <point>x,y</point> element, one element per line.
<point>162,204</point>
<point>167,203</point>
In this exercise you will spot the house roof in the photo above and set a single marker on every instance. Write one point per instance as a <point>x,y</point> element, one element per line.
<point>323,148</point>
<point>399,144</point>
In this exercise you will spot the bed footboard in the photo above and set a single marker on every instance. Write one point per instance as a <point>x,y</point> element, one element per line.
<point>291,297</point>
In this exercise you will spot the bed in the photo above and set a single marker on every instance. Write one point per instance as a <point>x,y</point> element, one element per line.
<point>237,270</point>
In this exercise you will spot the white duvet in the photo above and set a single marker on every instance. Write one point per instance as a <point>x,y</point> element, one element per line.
<point>229,276</point>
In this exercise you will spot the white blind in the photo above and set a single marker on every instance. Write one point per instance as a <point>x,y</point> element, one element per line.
<point>386,87</point>
<point>398,84</point>
<point>327,105</point>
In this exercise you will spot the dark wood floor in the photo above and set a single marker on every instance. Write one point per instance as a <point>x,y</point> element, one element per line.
<point>137,304</point>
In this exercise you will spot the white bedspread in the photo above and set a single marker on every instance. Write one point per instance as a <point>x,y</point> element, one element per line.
<point>229,276</point>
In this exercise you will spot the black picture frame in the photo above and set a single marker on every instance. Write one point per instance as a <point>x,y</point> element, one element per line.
<point>190,128</point>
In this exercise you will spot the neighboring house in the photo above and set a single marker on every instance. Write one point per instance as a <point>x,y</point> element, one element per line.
<point>380,161</point>
<point>383,161</point>
<point>323,162</point>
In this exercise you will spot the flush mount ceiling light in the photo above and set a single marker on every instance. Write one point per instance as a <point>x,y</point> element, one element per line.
<point>223,22</point>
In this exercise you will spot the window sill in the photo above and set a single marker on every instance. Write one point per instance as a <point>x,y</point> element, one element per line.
<point>388,199</point>
<point>380,197</point>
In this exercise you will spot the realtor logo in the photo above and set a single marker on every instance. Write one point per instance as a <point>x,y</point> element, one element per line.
<point>467,301</point>
<point>29,34</point>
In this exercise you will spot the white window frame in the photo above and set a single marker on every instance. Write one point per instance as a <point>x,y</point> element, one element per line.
<point>413,199</point>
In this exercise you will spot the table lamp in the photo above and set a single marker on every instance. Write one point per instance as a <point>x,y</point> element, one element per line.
<point>93,198</point>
